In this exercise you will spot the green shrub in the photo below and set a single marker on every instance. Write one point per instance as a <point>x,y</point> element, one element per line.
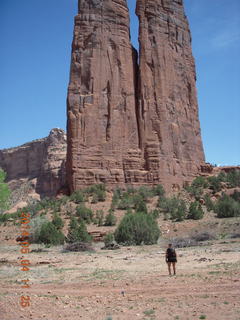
<point>145,192</point>
<point>179,213</point>
<point>35,227</point>
<point>233,178</point>
<point>158,190</point>
<point>84,213</point>
<point>227,207</point>
<point>115,199</point>
<point>200,182</point>
<point>208,202</point>
<point>125,202</point>
<point>110,219</point>
<point>195,211</point>
<point>173,208</point>
<point>78,232</point>
<point>236,196</point>
<point>99,218</point>
<point>136,229</point>
<point>77,197</point>
<point>97,191</point>
<point>140,204</point>
<point>4,192</point>
<point>155,213</point>
<point>49,234</point>
<point>57,221</point>
<point>108,239</point>
<point>215,184</point>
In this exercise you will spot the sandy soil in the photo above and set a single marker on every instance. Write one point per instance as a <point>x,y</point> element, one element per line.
<point>126,284</point>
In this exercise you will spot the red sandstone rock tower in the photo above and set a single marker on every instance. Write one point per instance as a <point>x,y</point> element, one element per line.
<point>130,125</point>
<point>168,110</point>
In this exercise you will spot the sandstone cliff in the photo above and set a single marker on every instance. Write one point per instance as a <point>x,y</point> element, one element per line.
<point>37,167</point>
<point>130,125</point>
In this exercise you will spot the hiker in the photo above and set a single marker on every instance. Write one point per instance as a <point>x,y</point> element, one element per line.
<point>171,259</point>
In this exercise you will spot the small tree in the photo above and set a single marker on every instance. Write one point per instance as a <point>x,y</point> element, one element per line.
<point>214,184</point>
<point>137,228</point>
<point>57,221</point>
<point>227,207</point>
<point>77,197</point>
<point>140,205</point>
<point>99,218</point>
<point>208,202</point>
<point>84,213</point>
<point>78,232</point>
<point>4,192</point>
<point>110,219</point>
<point>195,211</point>
<point>49,234</point>
<point>158,190</point>
<point>108,239</point>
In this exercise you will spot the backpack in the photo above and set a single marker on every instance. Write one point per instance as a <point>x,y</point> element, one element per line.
<point>171,253</point>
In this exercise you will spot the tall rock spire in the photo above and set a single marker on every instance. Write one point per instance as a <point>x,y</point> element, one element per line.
<point>101,106</point>
<point>130,124</point>
<point>168,109</point>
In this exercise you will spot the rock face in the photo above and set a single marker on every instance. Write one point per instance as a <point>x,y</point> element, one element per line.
<point>103,139</point>
<point>130,124</point>
<point>37,167</point>
<point>168,110</point>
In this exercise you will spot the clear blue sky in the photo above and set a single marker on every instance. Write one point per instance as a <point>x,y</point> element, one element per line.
<point>35,59</point>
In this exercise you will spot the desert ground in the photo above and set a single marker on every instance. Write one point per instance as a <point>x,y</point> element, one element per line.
<point>126,284</point>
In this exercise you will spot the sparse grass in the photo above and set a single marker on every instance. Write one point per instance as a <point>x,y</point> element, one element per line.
<point>226,302</point>
<point>106,274</point>
<point>149,312</point>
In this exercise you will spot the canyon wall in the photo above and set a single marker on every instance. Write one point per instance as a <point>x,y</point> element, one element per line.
<point>37,167</point>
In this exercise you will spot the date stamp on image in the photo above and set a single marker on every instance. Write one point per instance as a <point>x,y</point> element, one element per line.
<point>25,300</point>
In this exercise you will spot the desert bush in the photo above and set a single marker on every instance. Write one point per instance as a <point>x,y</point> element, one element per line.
<point>125,202</point>
<point>197,186</point>
<point>140,204</point>
<point>57,221</point>
<point>136,229</point>
<point>84,213</point>
<point>233,178</point>
<point>97,191</point>
<point>108,239</point>
<point>227,207</point>
<point>208,202</point>
<point>4,192</point>
<point>158,190</point>
<point>110,219</point>
<point>77,197</point>
<point>78,232</point>
<point>195,211</point>
<point>35,227</point>
<point>99,218</point>
<point>115,199</point>
<point>155,213</point>
<point>49,234</point>
<point>174,208</point>
<point>145,192</point>
<point>236,196</point>
<point>215,184</point>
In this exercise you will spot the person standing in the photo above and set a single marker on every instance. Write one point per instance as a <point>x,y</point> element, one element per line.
<point>171,259</point>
